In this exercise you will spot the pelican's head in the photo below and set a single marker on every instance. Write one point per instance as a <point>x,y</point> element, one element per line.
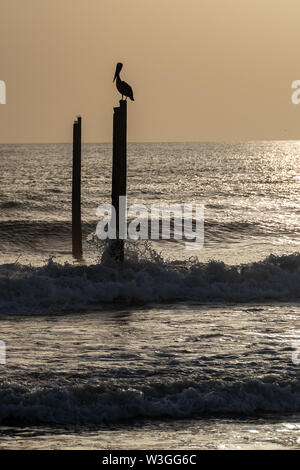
<point>118,70</point>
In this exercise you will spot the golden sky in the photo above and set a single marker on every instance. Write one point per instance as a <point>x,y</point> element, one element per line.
<point>200,69</point>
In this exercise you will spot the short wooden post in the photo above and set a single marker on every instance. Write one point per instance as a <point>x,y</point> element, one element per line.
<point>76,191</point>
<point>119,174</point>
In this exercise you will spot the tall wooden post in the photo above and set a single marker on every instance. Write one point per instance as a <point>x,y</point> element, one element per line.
<point>76,191</point>
<point>119,174</point>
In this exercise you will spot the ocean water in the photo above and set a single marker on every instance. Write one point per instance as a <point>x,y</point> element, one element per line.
<point>175,348</point>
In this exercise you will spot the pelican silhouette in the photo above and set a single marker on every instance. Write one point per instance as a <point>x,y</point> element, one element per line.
<point>122,87</point>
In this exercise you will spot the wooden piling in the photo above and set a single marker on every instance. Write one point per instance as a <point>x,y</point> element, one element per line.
<point>119,175</point>
<point>76,191</point>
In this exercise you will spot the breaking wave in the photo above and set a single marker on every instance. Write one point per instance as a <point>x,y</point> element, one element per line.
<point>143,279</point>
<point>100,404</point>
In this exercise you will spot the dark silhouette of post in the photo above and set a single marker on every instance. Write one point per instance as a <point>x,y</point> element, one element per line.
<point>76,191</point>
<point>119,173</point>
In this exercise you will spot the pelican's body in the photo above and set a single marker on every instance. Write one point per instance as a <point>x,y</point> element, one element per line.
<point>123,87</point>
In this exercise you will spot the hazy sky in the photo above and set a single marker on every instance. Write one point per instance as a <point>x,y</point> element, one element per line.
<point>200,69</point>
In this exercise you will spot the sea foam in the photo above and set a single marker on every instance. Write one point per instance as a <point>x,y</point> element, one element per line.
<point>54,287</point>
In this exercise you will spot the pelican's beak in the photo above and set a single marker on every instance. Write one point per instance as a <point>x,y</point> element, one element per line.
<point>118,69</point>
<point>116,72</point>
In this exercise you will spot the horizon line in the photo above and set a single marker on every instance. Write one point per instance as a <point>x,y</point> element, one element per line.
<point>154,142</point>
